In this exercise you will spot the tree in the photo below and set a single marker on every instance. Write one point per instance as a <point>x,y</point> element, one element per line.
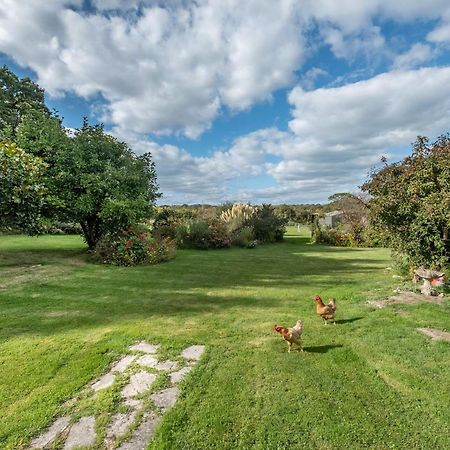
<point>104,186</point>
<point>17,97</point>
<point>411,200</point>
<point>354,210</point>
<point>43,135</point>
<point>267,226</point>
<point>21,188</point>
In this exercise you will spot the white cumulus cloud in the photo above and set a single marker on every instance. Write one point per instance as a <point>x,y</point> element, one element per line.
<point>174,66</point>
<point>161,69</point>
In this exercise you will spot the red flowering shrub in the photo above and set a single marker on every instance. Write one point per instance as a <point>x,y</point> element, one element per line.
<point>134,246</point>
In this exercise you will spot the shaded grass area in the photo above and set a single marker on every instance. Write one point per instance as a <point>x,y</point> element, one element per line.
<point>368,382</point>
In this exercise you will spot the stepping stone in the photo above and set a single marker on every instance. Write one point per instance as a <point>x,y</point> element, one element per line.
<point>194,352</point>
<point>143,433</point>
<point>139,382</point>
<point>82,434</point>
<point>147,361</point>
<point>105,381</point>
<point>123,364</point>
<point>145,347</point>
<point>50,435</point>
<point>165,398</point>
<point>176,377</point>
<point>133,403</point>
<point>167,365</point>
<point>119,426</point>
<point>151,361</point>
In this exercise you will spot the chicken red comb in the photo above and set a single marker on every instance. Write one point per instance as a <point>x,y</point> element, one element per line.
<point>317,297</point>
<point>277,328</point>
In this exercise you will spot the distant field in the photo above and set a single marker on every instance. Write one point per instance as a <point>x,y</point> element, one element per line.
<point>370,382</point>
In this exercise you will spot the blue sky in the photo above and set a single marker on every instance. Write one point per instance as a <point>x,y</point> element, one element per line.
<point>255,100</point>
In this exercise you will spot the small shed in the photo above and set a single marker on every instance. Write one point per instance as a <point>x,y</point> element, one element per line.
<point>331,219</point>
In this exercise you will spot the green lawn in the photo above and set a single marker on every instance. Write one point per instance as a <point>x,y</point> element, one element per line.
<point>370,382</point>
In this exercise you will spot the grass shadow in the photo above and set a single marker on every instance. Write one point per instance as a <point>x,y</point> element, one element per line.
<point>321,348</point>
<point>353,319</point>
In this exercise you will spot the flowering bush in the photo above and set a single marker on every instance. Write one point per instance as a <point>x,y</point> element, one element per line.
<point>161,250</point>
<point>134,246</point>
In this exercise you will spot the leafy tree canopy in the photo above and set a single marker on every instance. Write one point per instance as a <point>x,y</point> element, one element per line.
<point>411,200</point>
<point>104,186</point>
<point>17,97</point>
<point>21,188</point>
<point>43,135</point>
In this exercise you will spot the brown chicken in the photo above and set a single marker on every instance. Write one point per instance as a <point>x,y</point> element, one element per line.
<point>327,312</point>
<point>291,335</point>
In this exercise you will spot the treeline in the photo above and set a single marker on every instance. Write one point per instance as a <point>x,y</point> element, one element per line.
<point>293,214</point>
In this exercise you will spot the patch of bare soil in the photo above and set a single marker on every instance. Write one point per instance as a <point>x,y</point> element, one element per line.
<point>435,334</point>
<point>404,298</point>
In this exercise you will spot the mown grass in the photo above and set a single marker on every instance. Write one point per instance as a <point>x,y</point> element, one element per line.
<point>372,381</point>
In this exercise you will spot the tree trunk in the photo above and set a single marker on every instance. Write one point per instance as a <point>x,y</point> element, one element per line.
<point>91,227</point>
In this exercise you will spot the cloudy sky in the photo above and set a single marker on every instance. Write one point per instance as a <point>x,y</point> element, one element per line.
<point>282,101</point>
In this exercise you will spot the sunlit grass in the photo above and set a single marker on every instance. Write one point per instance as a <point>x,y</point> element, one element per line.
<point>371,381</point>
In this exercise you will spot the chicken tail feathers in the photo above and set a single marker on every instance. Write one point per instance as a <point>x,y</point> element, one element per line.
<point>332,304</point>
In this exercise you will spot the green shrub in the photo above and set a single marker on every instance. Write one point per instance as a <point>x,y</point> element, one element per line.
<point>336,237</point>
<point>203,234</point>
<point>165,224</point>
<point>348,237</point>
<point>219,236</point>
<point>373,237</point>
<point>195,234</point>
<point>134,246</point>
<point>410,199</point>
<point>243,238</point>
<point>161,250</point>
<point>266,225</point>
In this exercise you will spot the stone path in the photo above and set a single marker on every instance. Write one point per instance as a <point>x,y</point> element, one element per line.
<point>143,433</point>
<point>151,361</point>
<point>139,382</point>
<point>194,352</point>
<point>105,381</point>
<point>123,364</point>
<point>118,427</point>
<point>81,434</point>
<point>140,369</point>
<point>176,377</point>
<point>52,433</point>
<point>145,347</point>
<point>165,398</point>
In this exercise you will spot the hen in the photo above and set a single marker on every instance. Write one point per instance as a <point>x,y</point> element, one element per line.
<point>291,335</point>
<point>327,312</point>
